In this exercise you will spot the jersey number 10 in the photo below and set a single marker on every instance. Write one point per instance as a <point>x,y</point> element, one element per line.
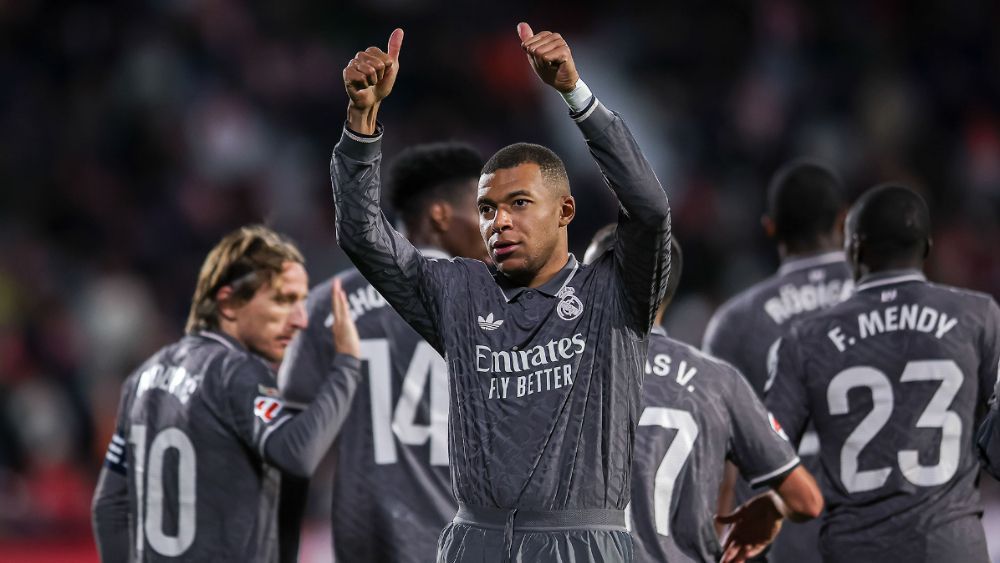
<point>149,495</point>
<point>401,422</point>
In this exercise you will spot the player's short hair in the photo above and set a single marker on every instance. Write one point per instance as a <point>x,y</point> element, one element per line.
<point>429,172</point>
<point>245,259</point>
<point>605,239</point>
<point>551,166</point>
<point>892,221</point>
<point>804,199</point>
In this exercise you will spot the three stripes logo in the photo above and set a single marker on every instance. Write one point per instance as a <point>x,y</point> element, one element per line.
<point>488,323</point>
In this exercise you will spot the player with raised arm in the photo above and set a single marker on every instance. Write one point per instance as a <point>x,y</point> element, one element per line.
<point>697,413</point>
<point>392,490</point>
<point>894,379</point>
<point>194,467</point>
<point>544,354</point>
<point>805,210</point>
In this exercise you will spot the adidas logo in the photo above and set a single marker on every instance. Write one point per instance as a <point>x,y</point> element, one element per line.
<point>488,323</point>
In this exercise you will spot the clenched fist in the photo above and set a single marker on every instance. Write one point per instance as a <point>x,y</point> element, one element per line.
<point>368,79</point>
<point>550,56</point>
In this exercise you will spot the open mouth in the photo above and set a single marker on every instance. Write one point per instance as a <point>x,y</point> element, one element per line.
<point>503,249</point>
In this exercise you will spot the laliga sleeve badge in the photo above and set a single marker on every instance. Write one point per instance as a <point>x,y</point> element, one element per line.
<point>776,426</point>
<point>267,408</point>
<point>570,306</point>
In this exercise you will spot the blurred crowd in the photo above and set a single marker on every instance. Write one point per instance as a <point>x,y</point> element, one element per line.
<point>134,134</point>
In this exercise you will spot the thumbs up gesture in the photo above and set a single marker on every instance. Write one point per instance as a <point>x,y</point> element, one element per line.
<point>550,56</point>
<point>369,78</point>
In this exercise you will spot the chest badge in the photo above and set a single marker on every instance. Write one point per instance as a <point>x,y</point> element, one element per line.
<point>569,306</point>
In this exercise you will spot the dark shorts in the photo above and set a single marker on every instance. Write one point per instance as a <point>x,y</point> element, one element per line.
<point>484,535</point>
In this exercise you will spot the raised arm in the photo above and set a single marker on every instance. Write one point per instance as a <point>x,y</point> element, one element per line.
<point>410,282</point>
<point>642,250</point>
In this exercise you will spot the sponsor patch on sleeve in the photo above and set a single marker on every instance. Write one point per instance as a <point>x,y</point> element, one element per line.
<point>776,426</point>
<point>267,408</point>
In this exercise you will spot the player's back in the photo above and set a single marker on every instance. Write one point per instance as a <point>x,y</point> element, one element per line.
<point>745,328</point>
<point>697,412</point>
<point>895,379</point>
<point>392,490</point>
<point>195,491</point>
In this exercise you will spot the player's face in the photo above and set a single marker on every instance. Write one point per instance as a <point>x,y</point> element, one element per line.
<point>521,219</point>
<point>267,323</point>
<point>462,237</point>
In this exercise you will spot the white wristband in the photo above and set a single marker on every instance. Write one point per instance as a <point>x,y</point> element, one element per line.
<point>579,97</point>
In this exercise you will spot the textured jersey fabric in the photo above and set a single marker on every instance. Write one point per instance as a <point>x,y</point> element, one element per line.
<point>697,413</point>
<point>193,440</point>
<point>544,383</point>
<point>392,490</point>
<point>744,332</point>
<point>895,380</point>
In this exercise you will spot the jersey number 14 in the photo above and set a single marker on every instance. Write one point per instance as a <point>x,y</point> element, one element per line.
<point>387,423</point>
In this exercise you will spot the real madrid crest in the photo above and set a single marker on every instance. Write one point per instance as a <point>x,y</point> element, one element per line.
<point>569,306</point>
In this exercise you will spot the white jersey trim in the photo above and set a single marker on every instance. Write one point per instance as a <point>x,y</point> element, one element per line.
<point>890,281</point>
<point>768,476</point>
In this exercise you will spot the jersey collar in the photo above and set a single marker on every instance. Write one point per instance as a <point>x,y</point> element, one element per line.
<point>658,330</point>
<point>796,263</point>
<point>890,277</point>
<point>222,338</point>
<point>436,253</point>
<point>551,288</point>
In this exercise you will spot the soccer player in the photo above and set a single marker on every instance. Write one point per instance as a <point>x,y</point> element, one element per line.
<point>544,354</point>
<point>193,469</point>
<point>893,379</point>
<point>698,412</point>
<point>805,218</point>
<point>392,490</point>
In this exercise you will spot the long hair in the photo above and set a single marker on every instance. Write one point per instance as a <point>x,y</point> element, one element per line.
<point>245,260</point>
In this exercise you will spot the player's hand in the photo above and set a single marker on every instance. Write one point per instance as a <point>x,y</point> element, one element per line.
<point>550,56</point>
<point>755,524</point>
<point>345,333</point>
<point>368,79</point>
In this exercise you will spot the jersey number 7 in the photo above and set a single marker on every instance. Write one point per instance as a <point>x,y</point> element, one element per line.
<point>673,461</point>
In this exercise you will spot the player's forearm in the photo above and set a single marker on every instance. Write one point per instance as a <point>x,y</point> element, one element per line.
<point>298,445</point>
<point>110,517</point>
<point>798,498</point>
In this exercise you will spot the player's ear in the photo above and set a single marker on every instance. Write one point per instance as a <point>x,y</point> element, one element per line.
<point>440,213</point>
<point>838,226</point>
<point>567,210</point>
<point>927,247</point>
<point>768,224</point>
<point>225,303</point>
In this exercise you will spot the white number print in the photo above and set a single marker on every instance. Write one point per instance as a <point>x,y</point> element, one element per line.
<point>936,415</point>
<point>149,523</point>
<point>387,424</point>
<point>673,461</point>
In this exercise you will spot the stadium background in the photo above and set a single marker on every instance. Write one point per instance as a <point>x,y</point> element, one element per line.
<point>134,134</point>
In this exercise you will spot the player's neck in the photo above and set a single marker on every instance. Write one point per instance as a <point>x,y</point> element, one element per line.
<point>788,252</point>
<point>544,275</point>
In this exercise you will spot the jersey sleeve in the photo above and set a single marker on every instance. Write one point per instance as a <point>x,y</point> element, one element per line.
<point>293,442</point>
<point>787,399</point>
<point>989,365</point>
<point>414,285</point>
<point>757,445</point>
<point>988,437</point>
<point>309,357</point>
<point>110,507</point>
<point>642,248</point>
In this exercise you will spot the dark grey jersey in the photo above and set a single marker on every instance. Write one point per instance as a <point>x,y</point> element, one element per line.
<point>544,383</point>
<point>746,328</point>
<point>894,380</point>
<point>195,439</point>
<point>697,413</point>
<point>988,439</point>
<point>392,492</point>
